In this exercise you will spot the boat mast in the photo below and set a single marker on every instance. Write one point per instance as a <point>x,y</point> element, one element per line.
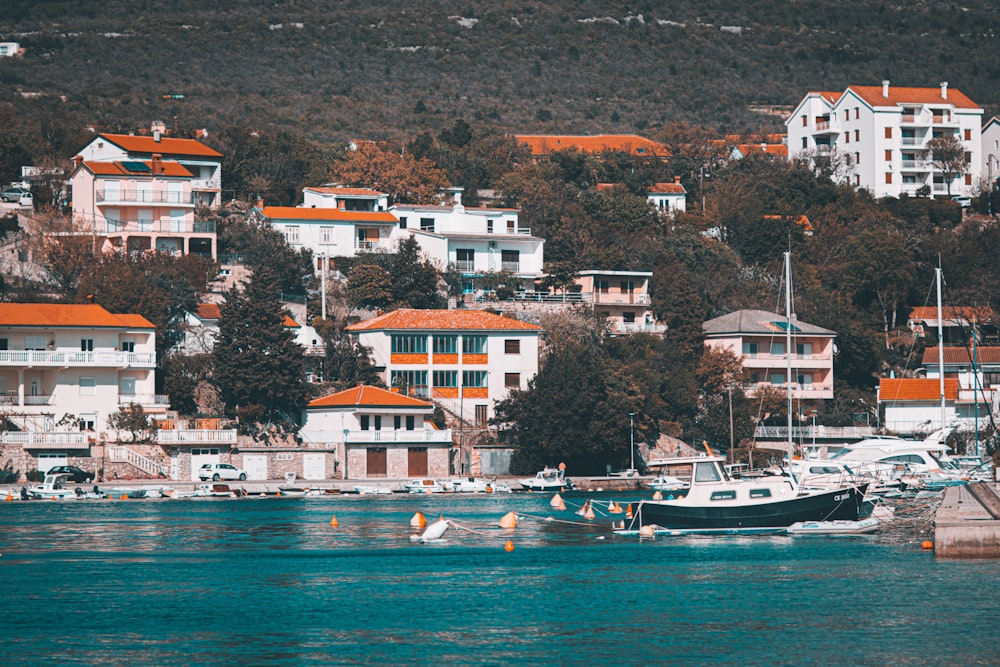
<point>788,359</point>
<point>937,274</point>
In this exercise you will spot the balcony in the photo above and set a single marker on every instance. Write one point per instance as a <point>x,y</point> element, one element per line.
<point>145,400</point>
<point>62,359</point>
<point>158,227</point>
<point>47,439</point>
<point>827,127</point>
<point>913,141</point>
<point>465,266</point>
<point>196,437</point>
<point>622,298</point>
<point>130,196</point>
<point>511,267</point>
<point>369,245</point>
<point>401,436</point>
<point>206,184</point>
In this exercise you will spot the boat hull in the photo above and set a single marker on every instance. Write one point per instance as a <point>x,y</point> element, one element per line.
<point>834,505</point>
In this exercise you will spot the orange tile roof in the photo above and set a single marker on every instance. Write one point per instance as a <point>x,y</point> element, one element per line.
<point>900,95</point>
<point>208,311</point>
<point>165,146</point>
<point>770,149</point>
<point>916,389</point>
<point>954,314</point>
<point>66,315</point>
<point>546,144</point>
<point>170,168</point>
<point>364,395</point>
<point>462,320</point>
<point>667,188</point>
<point>290,323</point>
<point>962,355</point>
<point>801,220</point>
<point>366,192</point>
<point>321,214</point>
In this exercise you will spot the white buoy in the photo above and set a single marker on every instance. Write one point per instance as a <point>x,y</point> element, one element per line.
<point>556,501</point>
<point>647,531</point>
<point>434,531</point>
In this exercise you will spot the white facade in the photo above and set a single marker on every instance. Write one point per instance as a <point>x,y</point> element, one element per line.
<point>348,199</point>
<point>466,360</point>
<point>881,134</point>
<point>991,152</point>
<point>9,49</point>
<point>69,367</point>
<point>330,232</point>
<point>668,198</point>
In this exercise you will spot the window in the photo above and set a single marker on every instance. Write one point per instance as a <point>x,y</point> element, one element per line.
<point>750,349</point>
<point>627,287</point>
<point>512,380</point>
<point>87,422</point>
<point>857,158</point>
<point>402,222</point>
<point>888,177</point>
<point>427,224</point>
<point>466,259</point>
<point>445,344</point>
<point>410,422</point>
<point>628,316</point>
<point>968,179</point>
<point>760,493</point>
<point>474,378</point>
<point>847,114</point>
<point>510,260</point>
<point>408,344</point>
<point>888,155</point>
<point>602,286</point>
<point>888,133</point>
<point>292,234</point>
<point>326,234</point>
<point>365,422</point>
<point>804,379</point>
<point>86,344</point>
<point>805,142</point>
<point>397,422</point>
<point>489,226</point>
<point>857,113</point>
<point>378,422</point>
<point>847,137</point>
<point>88,386</point>
<point>410,382</point>
<point>968,135</point>
<point>128,346</point>
<point>723,495</point>
<point>804,349</point>
<point>445,378</point>
<point>805,121</point>
<point>706,472</point>
<point>857,135</point>
<point>36,343</point>
<point>480,415</point>
<point>777,349</point>
<point>512,346</point>
<point>4,344</point>
<point>777,378</point>
<point>473,344</point>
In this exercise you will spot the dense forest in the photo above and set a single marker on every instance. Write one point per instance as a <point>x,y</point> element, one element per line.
<point>283,86</point>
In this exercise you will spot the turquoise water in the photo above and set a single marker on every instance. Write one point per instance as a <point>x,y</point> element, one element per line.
<point>270,582</point>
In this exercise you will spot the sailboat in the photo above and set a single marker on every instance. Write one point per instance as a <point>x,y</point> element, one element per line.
<point>715,502</point>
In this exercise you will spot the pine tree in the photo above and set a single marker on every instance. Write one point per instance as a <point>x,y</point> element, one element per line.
<point>258,368</point>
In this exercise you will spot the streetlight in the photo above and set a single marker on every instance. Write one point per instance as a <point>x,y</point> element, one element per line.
<point>631,440</point>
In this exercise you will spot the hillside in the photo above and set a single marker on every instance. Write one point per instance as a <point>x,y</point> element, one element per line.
<point>387,70</point>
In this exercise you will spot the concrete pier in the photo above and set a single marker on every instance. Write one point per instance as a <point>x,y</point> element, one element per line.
<point>967,524</point>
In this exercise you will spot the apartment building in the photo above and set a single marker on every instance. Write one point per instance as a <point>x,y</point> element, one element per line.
<point>759,338</point>
<point>621,298</point>
<point>465,360</point>
<point>881,133</point>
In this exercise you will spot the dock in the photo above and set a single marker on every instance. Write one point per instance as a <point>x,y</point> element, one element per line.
<point>967,524</point>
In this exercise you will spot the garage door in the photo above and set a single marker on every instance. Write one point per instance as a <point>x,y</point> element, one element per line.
<point>417,462</point>
<point>256,466</point>
<point>378,465</point>
<point>314,466</point>
<point>47,460</point>
<point>200,457</point>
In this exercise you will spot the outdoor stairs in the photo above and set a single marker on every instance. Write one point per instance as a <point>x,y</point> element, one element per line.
<point>120,454</point>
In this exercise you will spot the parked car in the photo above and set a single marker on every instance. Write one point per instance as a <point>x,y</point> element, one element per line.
<point>13,194</point>
<point>964,202</point>
<point>26,199</point>
<point>78,475</point>
<point>217,471</point>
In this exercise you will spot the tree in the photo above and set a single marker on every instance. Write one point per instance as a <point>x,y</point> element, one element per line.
<point>404,178</point>
<point>132,418</point>
<point>257,366</point>
<point>947,156</point>
<point>369,286</point>
<point>879,267</point>
<point>261,245</point>
<point>414,280</point>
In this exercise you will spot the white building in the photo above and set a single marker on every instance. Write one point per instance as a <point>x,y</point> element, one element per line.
<point>881,134</point>
<point>912,406</point>
<point>9,49</point>
<point>378,433</point>
<point>474,241</point>
<point>991,151</point>
<point>466,360</point>
<point>622,298</point>
<point>668,198</point>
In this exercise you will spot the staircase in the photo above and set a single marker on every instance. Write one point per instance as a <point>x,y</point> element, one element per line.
<point>117,453</point>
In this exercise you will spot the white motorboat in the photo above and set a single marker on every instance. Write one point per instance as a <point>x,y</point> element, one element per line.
<point>424,485</point>
<point>371,490</point>
<point>548,479</point>
<point>123,492</point>
<point>477,485</point>
<point>859,527</point>
<point>52,488</point>
<point>668,483</point>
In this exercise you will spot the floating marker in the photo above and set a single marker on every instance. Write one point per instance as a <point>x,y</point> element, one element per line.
<point>509,546</point>
<point>589,514</point>
<point>584,509</point>
<point>509,520</point>
<point>434,531</point>
<point>9,497</point>
<point>333,521</point>
<point>628,511</point>
<point>556,501</point>
<point>926,544</point>
<point>647,531</point>
<point>614,508</point>
<point>657,496</point>
<point>418,521</point>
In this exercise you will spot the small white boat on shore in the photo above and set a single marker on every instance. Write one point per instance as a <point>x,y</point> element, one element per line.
<point>476,485</point>
<point>424,485</point>
<point>548,479</point>
<point>371,490</point>
<point>52,488</point>
<point>859,527</point>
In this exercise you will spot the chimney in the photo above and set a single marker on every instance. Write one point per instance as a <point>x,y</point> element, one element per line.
<point>156,136</point>
<point>78,160</point>
<point>944,90</point>
<point>677,179</point>
<point>260,202</point>
<point>885,88</point>
<point>157,127</point>
<point>157,164</point>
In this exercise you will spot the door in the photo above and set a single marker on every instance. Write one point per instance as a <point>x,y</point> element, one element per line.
<point>48,460</point>
<point>127,388</point>
<point>314,466</point>
<point>200,457</point>
<point>417,461</point>
<point>255,465</point>
<point>378,465</point>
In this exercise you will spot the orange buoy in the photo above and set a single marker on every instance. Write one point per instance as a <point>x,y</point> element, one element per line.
<point>418,521</point>
<point>647,531</point>
<point>124,496</point>
<point>628,511</point>
<point>926,544</point>
<point>556,501</point>
<point>589,513</point>
<point>333,521</point>
<point>509,520</point>
<point>9,497</point>
<point>615,508</point>
<point>561,506</point>
<point>508,546</point>
<point>657,496</point>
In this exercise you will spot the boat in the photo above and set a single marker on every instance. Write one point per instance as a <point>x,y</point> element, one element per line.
<point>476,485</point>
<point>548,479</point>
<point>424,485</point>
<point>668,483</point>
<point>716,502</point>
<point>53,487</point>
<point>859,527</point>
<point>298,491</point>
<point>371,490</point>
<point>123,492</point>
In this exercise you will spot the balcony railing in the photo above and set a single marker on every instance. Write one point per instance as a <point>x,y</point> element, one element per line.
<point>418,435</point>
<point>64,359</point>
<point>144,399</point>
<point>38,400</point>
<point>196,436</point>
<point>144,197</point>
<point>206,184</point>
<point>465,265</point>
<point>159,226</point>
<point>512,267</point>
<point>42,439</point>
<point>368,245</point>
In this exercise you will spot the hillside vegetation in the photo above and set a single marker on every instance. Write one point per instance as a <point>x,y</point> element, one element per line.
<point>384,70</point>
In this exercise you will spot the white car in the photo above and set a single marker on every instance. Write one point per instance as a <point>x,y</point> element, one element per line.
<point>26,199</point>
<point>219,471</point>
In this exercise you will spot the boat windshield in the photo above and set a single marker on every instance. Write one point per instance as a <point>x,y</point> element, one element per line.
<point>707,471</point>
<point>944,464</point>
<point>840,454</point>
